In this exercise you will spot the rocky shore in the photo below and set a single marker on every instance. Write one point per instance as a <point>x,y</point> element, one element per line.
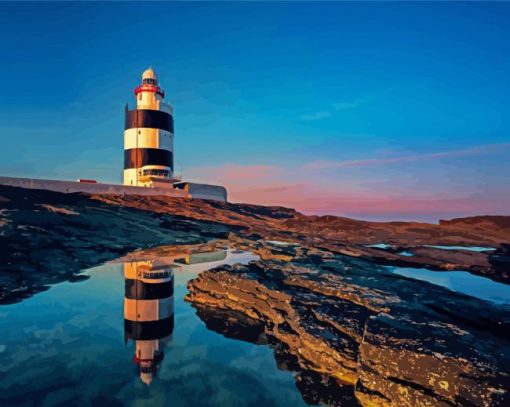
<point>408,242</point>
<point>357,334</point>
<point>47,237</point>
<point>320,296</point>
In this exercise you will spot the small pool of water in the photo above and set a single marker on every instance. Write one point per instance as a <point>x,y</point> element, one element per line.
<point>386,246</point>
<point>107,341</point>
<point>280,243</point>
<point>460,281</point>
<point>468,248</point>
<point>379,246</point>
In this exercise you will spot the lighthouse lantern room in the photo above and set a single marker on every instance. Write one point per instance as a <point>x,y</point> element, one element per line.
<point>149,137</point>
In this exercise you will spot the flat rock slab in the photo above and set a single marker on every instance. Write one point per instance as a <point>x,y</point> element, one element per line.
<point>393,340</point>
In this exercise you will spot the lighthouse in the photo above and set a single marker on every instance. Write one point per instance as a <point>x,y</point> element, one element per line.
<point>148,155</point>
<point>149,137</point>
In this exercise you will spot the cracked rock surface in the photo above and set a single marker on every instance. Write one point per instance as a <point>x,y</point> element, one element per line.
<point>48,237</point>
<point>353,332</point>
<point>358,334</point>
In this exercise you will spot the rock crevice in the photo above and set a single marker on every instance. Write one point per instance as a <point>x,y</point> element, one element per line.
<point>361,327</point>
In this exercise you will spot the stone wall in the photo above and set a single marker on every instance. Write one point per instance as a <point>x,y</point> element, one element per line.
<point>73,186</point>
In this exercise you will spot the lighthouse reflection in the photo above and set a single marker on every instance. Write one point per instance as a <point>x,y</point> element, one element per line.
<point>149,302</point>
<point>148,313</point>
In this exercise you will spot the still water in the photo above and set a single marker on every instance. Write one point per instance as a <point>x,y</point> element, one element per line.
<point>460,281</point>
<point>467,248</point>
<point>126,336</point>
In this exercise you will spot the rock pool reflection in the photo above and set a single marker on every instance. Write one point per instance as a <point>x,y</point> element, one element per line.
<point>52,345</point>
<point>149,306</point>
<point>148,313</point>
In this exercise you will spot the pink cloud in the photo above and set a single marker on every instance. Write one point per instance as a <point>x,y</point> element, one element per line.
<point>333,164</point>
<point>271,194</point>
<point>305,191</point>
<point>234,172</point>
<point>311,199</point>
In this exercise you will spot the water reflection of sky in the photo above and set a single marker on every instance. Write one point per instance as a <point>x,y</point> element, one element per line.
<point>467,248</point>
<point>461,281</point>
<point>379,245</point>
<point>386,246</point>
<point>66,345</point>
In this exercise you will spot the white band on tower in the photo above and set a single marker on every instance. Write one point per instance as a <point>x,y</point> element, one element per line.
<point>149,136</point>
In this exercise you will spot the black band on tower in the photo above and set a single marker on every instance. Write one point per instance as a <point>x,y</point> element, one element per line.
<point>139,290</point>
<point>152,119</point>
<point>149,330</point>
<point>139,157</point>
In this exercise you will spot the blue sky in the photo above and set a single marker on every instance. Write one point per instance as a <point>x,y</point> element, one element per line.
<point>375,110</point>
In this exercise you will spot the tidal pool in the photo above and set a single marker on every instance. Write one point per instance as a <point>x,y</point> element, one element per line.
<point>383,246</point>
<point>460,281</point>
<point>125,336</point>
<point>468,248</point>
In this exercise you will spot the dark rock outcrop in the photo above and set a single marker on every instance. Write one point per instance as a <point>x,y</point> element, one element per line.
<point>352,331</point>
<point>48,237</point>
<point>394,340</point>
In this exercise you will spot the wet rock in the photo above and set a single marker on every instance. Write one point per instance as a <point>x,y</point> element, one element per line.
<point>395,341</point>
<point>429,363</point>
<point>47,237</point>
<point>315,388</point>
<point>347,327</point>
<point>104,226</point>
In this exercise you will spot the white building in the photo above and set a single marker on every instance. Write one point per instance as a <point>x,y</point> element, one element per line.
<point>149,144</point>
<point>149,137</point>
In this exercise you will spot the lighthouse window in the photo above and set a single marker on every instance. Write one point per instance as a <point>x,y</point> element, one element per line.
<point>149,81</point>
<point>158,173</point>
<point>157,275</point>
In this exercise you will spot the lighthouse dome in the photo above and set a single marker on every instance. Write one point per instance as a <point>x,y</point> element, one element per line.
<point>149,74</point>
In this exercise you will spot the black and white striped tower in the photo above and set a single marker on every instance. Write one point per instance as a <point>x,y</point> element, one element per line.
<point>148,313</point>
<point>149,136</point>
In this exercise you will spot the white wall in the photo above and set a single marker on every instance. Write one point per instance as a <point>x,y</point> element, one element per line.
<point>207,191</point>
<point>72,186</point>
